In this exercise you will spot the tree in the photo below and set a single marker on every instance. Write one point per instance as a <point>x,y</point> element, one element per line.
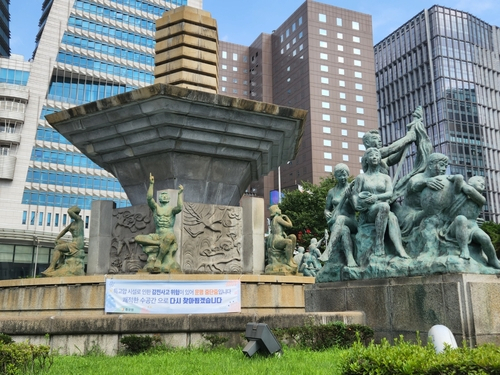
<point>305,208</point>
<point>493,230</point>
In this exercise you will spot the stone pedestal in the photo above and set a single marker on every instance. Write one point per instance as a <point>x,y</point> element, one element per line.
<point>253,257</point>
<point>468,304</point>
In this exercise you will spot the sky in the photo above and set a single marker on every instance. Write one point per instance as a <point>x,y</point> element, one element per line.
<point>242,21</point>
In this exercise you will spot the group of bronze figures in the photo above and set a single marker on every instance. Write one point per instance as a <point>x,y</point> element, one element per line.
<point>422,223</point>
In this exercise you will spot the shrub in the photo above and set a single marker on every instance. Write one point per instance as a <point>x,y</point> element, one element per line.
<point>323,336</point>
<point>6,339</point>
<point>215,340</point>
<point>24,358</point>
<point>139,344</point>
<point>408,358</point>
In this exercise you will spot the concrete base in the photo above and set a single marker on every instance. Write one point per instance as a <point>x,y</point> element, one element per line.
<point>468,304</point>
<point>71,311</point>
<point>79,334</point>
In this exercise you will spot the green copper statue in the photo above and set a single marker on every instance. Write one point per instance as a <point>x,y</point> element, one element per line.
<point>280,247</point>
<point>422,223</point>
<point>161,246</point>
<point>68,257</point>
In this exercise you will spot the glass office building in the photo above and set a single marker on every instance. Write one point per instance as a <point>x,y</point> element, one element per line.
<point>447,61</point>
<point>4,28</point>
<point>85,50</point>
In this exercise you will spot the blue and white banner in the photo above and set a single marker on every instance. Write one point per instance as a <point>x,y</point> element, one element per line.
<point>172,297</point>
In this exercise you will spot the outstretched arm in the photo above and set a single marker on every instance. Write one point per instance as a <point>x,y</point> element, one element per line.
<point>149,195</point>
<point>180,199</point>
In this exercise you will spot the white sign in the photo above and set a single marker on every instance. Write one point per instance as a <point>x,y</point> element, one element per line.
<point>172,297</point>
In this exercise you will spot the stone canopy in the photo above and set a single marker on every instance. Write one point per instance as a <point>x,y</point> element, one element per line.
<point>214,145</point>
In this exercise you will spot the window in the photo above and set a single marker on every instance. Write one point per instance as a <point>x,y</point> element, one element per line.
<point>358,86</point>
<point>323,68</point>
<point>224,66</point>
<point>224,78</point>
<point>322,17</point>
<point>287,46</point>
<point>343,107</point>
<point>343,132</point>
<point>327,155</point>
<point>326,117</point>
<point>342,95</point>
<point>301,34</point>
<point>294,27</point>
<point>339,21</point>
<point>25,217</point>
<point>355,25</point>
<point>356,39</point>
<point>345,157</point>
<point>287,33</point>
<point>345,145</point>
<point>341,71</point>
<point>282,51</point>
<point>323,44</point>
<point>328,168</point>
<point>343,120</point>
<point>340,48</point>
<point>361,134</point>
<point>327,143</point>
<point>322,32</point>
<point>340,36</point>
<point>359,98</point>
<point>235,91</point>
<point>325,80</point>
<point>342,83</point>
<point>300,21</point>
<point>358,74</point>
<point>294,40</point>
<point>301,47</point>
<point>323,56</point>
<point>223,89</point>
<point>361,122</point>
<point>357,62</point>
<point>340,59</point>
<point>282,38</point>
<point>224,54</point>
<point>49,218</point>
<point>325,92</point>
<point>325,105</point>
<point>235,57</point>
<point>356,51</point>
<point>326,130</point>
<point>235,68</point>
<point>360,110</point>
<point>294,52</point>
<point>361,148</point>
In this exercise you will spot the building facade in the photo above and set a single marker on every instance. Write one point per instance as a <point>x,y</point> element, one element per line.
<point>85,50</point>
<point>448,62</point>
<point>320,59</point>
<point>4,28</point>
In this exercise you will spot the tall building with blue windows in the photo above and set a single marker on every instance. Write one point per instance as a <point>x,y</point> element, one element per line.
<point>4,28</point>
<point>447,61</point>
<point>85,50</point>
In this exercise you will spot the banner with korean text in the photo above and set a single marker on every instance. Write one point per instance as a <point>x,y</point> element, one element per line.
<point>172,297</point>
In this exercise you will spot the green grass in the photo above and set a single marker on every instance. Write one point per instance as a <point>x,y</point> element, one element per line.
<point>199,361</point>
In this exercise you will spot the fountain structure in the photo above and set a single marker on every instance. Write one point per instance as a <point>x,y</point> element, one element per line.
<point>183,133</point>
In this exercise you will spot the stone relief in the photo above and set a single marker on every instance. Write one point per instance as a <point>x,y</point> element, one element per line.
<point>126,255</point>
<point>212,239</point>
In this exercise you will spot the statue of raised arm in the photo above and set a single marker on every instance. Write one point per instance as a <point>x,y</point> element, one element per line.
<point>161,246</point>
